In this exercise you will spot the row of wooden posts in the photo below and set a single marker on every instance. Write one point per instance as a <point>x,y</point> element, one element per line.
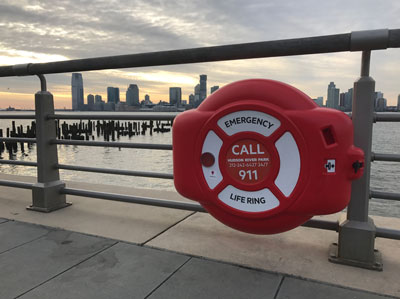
<point>12,147</point>
<point>110,129</point>
<point>84,130</point>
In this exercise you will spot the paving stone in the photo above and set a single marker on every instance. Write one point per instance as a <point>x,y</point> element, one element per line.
<point>207,279</point>
<point>122,271</point>
<point>303,289</point>
<point>13,234</point>
<point>29,265</point>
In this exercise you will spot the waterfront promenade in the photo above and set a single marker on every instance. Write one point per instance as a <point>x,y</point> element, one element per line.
<point>102,249</point>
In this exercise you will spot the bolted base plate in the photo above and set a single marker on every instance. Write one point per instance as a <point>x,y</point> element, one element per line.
<point>44,210</point>
<point>334,258</point>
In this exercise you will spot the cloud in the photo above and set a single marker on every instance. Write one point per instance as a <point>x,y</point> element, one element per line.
<point>38,31</point>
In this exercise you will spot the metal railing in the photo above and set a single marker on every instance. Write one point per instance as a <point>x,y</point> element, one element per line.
<point>356,244</point>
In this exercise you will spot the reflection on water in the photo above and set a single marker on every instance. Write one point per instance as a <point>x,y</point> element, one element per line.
<point>384,176</point>
<point>119,158</point>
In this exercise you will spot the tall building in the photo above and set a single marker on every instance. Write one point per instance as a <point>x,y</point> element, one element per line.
<point>214,88</point>
<point>97,98</point>
<point>197,95</point>
<point>77,91</point>
<point>90,100</point>
<point>175,96</point>
<point>147,100</point>
<point>380,105</point>
<point>333,96</point>
<point>191,99</point>
<point>378,95</point>
<point>348,100</point>
<point>341,100</point>
<point>398,102</point>
<point>132,95</point>
<point>203,87</point>
<point>98,103</point>
<point>113,95</point>
<point>319,101</point>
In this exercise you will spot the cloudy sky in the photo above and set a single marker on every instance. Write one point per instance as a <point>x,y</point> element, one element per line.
<point>41,31</point>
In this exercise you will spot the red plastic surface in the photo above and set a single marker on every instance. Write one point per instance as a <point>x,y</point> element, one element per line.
<point>261,161</point>
<point>247,161</point>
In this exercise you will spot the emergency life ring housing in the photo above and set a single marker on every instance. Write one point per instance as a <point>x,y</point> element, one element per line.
<point>262,157</point>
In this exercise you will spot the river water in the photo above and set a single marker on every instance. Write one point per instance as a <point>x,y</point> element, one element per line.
<point>384,175</point>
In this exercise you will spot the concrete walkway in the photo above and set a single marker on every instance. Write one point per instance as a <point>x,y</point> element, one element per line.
<point>103,249</point>
<point>42,262</point>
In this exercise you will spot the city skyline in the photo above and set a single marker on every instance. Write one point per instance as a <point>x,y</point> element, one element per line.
<point>334,98</point>
<point>47,31</point>
<point>113,100</point>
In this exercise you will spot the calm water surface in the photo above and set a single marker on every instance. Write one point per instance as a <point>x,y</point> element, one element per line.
<point>384,176</point>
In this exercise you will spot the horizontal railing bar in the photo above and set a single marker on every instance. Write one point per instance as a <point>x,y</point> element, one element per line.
<point>287,47</point>
<point>153,146</point>
<point>134,199</point>
<point>334,225</point>
<point>17,116</point>
<point>322,224</point>
<point>313,223</point>
<point>18,139</point>
<point>14,184</point>
<point>387,116</point>
<point>21,163</point>
<point>385,157</point>
<point>297,46</point>
<point>388,233</point>
<point>385,195</point>
<point>116,171</point>
<point>116,116</point>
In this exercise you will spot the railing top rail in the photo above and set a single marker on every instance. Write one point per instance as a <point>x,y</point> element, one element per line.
<point>355,41</point>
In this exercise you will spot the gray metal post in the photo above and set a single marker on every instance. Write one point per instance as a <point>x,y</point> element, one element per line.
<point>357,231</point>
<point>46,195</point>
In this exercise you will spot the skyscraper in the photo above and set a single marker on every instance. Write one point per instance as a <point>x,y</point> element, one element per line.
<point>203,87</point>
<point>113,95</point>
<point>398,102</point>
<point>214,88</point>
<point>97,98</point>
<point>197,95</point>
<point>90,101</point>
<point>319,101</point>
<point>380,105</point>
<point>348,101</point>
<point>175,96</point>
<point>147,100</point>
<point>378,95</point>
<point>77,91</point>
<point>132,95</point>
<point>333,96</point>
<point>191,99</point>
<point>342,96</point>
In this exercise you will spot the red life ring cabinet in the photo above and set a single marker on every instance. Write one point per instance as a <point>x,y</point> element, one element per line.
<point>262,157</point>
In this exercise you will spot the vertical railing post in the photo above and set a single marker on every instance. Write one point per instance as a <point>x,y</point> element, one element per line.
<point>356,245</point>
<point>46,196</point>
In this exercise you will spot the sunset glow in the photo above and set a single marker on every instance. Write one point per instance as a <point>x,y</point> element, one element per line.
<point>47,31</point>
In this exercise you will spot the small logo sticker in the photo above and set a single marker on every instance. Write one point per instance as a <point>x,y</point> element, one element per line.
<point>330,166</point>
